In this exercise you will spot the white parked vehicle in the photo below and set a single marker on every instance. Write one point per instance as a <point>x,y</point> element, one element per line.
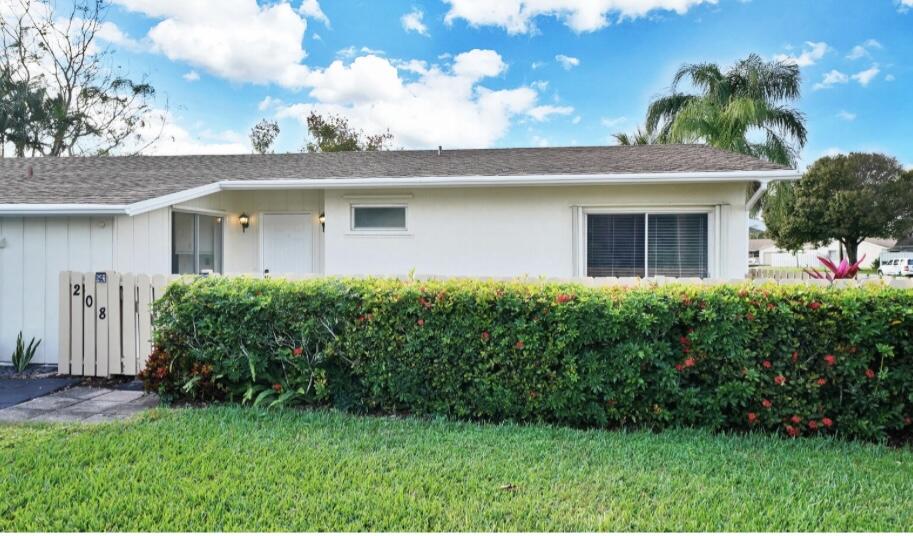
<point>897,267</point>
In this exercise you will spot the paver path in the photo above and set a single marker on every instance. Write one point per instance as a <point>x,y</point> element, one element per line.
<point>80,404</point>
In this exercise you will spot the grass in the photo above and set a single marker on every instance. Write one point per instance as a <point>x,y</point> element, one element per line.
<point>228,468</point>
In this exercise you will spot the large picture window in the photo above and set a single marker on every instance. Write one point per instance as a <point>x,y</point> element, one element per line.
<point>196,243</point>
<point>378,218</point>
<point>647,245</point>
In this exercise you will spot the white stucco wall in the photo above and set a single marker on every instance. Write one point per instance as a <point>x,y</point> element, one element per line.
<point>514,231</point>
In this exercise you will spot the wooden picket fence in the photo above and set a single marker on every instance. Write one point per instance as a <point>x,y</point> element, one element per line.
<point>106,322</point>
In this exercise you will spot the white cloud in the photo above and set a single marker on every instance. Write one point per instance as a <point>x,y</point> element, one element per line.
<point>568,62</point>
<point>538,65</point>
<point>576,120</point>
<point>240,41</point>
<point>177,140</point>
<point>904,5</point>
<point>446,106</point>
<point>890,77</point>
<point>110,32</point>
<point>811,53</point>
<point>311,8</point>
<point>866,76</point>
<point>518,16</point>
<point>316,36</point>
<point>542,113</point>
<point>862,50</point>
<point>613,122</point>
<point>191,76</point>
<point>539,85</point>
<point>412,22</point>
<point>268,102</point>
<point>831,79</point>
<point>351,51</point>
<point>540,141</point>
<point>846,116</point>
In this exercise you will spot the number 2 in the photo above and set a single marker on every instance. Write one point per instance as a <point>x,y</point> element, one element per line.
<point>76,288</point>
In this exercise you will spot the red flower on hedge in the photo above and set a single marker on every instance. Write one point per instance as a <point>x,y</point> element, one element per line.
<point>869,373</point>
<point>421,322</point>
<point>822,381</point>
<point>684,340</point>
<point>750,316</point>
<point>766,364</point>
<point>752,417</point>
<point>779,379</point>
<point>564,298</point>
<point>827,422</point>
<point>792,431</point>
<point>689,362</point>
<point>679,367</point>
<point>796,419</point>
<point>812,425</point>
<point>795,356</point>
<point>486,336</point>
<point>519,345</point>
<point>767,403</point>
<point>830,360</point>
<point>814,305</point>
<point>277,387</point>
<point>297,351</point>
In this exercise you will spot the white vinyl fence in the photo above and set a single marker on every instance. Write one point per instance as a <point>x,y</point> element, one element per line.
<point>106,322</point>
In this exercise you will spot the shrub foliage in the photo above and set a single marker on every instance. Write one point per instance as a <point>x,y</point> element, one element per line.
<point>797,360</point>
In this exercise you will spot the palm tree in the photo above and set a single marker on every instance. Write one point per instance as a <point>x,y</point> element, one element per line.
<point>746,109</point>
<point>640,137</point>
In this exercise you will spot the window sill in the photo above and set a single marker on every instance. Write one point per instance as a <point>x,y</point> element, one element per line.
<point>380,234</point>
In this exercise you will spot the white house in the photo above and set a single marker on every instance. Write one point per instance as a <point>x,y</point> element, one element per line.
<point>674,210</point>
<point>764,252</point>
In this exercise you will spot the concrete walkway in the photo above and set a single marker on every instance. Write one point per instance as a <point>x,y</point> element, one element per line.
<point>80,404</point>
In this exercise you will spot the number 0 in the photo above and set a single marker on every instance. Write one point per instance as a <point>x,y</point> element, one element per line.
<point>89,301</point>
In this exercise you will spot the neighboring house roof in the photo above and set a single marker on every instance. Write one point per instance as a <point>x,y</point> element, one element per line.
<point>882,242</point>
<point>126,180</point>
<point>757,244</point>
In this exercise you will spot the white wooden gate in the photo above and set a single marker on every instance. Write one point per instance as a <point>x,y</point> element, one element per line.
<point>106,321</point>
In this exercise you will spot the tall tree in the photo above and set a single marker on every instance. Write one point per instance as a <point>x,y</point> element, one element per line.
<point>640,136</point>
<point>89,106</point>
<point>263,135</point>
<point>333,134</point>
<point>846,198</point>
<point>746,109</point>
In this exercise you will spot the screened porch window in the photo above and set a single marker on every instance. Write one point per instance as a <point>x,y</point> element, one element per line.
<point>196,243</point>
<point>647,245</point>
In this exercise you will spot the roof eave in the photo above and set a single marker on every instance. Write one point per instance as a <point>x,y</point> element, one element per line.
<point>148,205</point>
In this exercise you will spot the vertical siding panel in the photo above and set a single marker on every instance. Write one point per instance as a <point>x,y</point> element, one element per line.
<point>128,313</point>
<point>57,252</point>
<point>159,241</point>
<point>80,244</point>
<point>140,243</point>
<point>34,283</point>
<point>90,300</point>
<point>11,291</point>
<point>102,238</point>
<point>76,293</point>
<point>115,354</point>
<point>123,244</point>
<point>63,326</point>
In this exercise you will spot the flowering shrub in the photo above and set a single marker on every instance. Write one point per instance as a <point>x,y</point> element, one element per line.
<point>795,360</point>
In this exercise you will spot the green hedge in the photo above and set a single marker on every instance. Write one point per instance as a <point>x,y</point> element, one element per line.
<point>797,360</point>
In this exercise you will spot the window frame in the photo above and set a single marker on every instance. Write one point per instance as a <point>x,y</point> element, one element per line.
<point>713,218</point>
<point>196,236</point>
<point>378,230</point>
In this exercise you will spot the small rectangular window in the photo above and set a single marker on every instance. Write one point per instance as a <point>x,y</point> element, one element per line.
<point>386,218</point>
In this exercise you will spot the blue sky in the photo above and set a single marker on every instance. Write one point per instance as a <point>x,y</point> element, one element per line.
<point>461,73</point>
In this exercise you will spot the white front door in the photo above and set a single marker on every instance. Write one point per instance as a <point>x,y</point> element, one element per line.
<point>288,244</point>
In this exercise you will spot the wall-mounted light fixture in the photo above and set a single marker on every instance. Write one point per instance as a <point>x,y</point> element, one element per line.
<point>323,221</point>
<point>244,220</point>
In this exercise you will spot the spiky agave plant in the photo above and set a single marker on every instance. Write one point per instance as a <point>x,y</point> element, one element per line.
<point>844,270</point>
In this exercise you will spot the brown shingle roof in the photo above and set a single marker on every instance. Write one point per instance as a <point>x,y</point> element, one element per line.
<point>129,179</point>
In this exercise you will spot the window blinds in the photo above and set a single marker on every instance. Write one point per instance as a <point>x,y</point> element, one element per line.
<point>647,245</point>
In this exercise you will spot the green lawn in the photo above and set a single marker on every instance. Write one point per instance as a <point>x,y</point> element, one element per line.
<point>241,469</point>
